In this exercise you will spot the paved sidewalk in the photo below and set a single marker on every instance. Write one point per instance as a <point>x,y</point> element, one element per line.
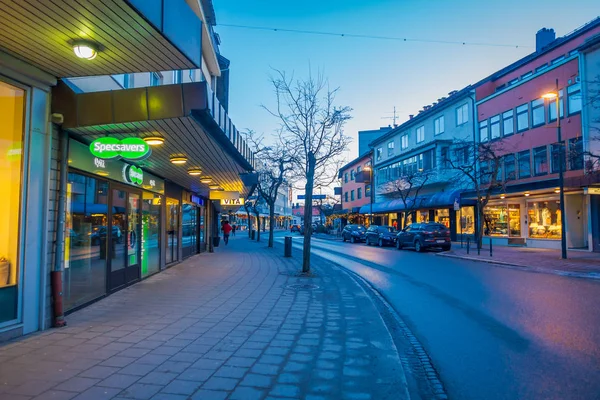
<point>226,325</point>
<point>582,264</point>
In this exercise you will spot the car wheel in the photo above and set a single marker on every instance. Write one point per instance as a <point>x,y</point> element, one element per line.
<point>352,239</point>
<point>398,244</point>
<point>343,238</point>
<point>367,242</point>
<point>446,248</point>
<point>380,243</point>
<point>418,246</point>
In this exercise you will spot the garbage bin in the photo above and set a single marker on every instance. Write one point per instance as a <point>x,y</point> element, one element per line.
<point>216,241</point>
<point>287,249</point>
<point>253,236</point>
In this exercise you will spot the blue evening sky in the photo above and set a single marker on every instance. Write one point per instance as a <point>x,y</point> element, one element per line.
<point>375,75</point>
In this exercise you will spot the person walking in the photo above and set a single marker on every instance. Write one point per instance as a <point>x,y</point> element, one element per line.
<point>233,229</point>
<point>226,228</point>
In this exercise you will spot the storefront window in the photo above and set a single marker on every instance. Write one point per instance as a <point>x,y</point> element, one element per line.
<point>188,227</point>
<point>85,240</point>
<point>514,220</point>
<point>465,220</point>
<point>544,219</point>
<point>443,217</point>
<point>394,220</point>
<point>202,227</point>
<point>172,230</point>
<point>150,233</point>
<point>423,216</point>
<point>495,220</point>
<point>12,103</point>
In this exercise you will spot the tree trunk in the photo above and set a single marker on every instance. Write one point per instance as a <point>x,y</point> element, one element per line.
<point>258,227</point>
<point>480,221</point>
<point>272,223</point>
<point>310,175</point>
<point>249,224</point>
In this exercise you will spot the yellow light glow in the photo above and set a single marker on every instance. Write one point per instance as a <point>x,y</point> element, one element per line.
<point>178,160</point>
<point>502,196</point>
<point>206,180</point>
<point>527,194</point>
<point>214,187</point>
<point>154,140</point>
<point>194,172</point>
<point>549,95</point>
<point>557,190</point>
<point>86,50</point>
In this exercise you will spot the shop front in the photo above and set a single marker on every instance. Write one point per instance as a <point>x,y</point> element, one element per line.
<point>192,225</point>
<point>113,226</point>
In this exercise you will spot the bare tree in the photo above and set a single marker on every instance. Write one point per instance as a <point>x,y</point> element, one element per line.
<point>274,164</point>
<point>408,187</point>
<point>478,166</point>
<point>248,209</point>
<point>253,205</point>
<point>311,133</point>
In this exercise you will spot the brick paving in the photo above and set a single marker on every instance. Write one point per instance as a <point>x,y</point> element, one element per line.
<point>579,263</point>
<point>225,325</point>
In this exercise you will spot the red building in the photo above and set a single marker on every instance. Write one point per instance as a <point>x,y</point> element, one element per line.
<point>511,110</point>
<point>356,189</point>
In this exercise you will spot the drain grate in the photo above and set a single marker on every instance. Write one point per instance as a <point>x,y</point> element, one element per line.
<point>303,286</point>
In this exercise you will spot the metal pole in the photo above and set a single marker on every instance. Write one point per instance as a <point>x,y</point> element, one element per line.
<point>371,200</point>
<point>561,179</point>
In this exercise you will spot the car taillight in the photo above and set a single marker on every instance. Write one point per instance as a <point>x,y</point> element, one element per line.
<point>428,233</point>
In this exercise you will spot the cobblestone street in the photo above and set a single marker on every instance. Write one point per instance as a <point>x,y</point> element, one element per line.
<point>236,324</point>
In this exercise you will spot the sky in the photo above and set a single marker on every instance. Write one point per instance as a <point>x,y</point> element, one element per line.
<point>376,75</point>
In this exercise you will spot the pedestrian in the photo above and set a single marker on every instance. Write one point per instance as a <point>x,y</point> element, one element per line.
<point>233,229</point>
<point>226,228</point>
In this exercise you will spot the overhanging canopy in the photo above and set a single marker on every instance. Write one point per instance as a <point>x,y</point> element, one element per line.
<point>437,200</point>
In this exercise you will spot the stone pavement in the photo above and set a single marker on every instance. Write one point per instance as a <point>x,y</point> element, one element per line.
<point>581,264</point>
<point>236,324</point>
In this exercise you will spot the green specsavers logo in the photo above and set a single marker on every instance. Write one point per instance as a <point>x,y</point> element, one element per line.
<point>133,174</point>
<point>129,148</point>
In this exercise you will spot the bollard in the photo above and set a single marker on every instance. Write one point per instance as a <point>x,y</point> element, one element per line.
<point>479,246</point>
<point>468,244</point>
<point>287,249</point>
<point>491,254</point>
<point>253,235</point>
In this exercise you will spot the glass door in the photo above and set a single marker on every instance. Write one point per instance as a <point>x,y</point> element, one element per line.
<point>172,228</point>
<point>134,235</point>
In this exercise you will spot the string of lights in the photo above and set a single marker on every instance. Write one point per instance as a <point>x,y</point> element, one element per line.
<point>354,35</point>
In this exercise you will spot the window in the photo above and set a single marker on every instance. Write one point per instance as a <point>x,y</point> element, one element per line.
<point>358,169</point>
<point>420,134</point>
<point>444,154</point>
<point>557,60</point>
<point>367,190</point>
<point>352,175</point>
<point>124,80</point>
<point>556,149</point>
<point>390,148</point>
<point>522,118</point>
<point>574,98</point>
<point>544,219</point>
<point>524,164</point>
<point>526,75</point>
<point>438,125</point>
<point>177,76</point>
<point>359,193</point>
<point>155,79</point>
<point>575,153</point>
<point>420,164</point>
<point>484,170</point>
<point>346,177</point>
<point>404,142</point>
<point>461,155</point>
<point>352,195</point>
<point>508,122</point>
<point>191,75</point>
<point>495,127</point>
<point>538,116</point>
<point>483,131</point>
<point>552,107</point>
<point>462,114</point>
<point>378,153</point>
<point>540,160</point>
<point>541,68</point>
<point>509,167</point>
<point>514,81</point>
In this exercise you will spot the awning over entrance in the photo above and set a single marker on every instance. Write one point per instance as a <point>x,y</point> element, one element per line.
<point>132,36</point>
<point>182,114</point>
<point>437,200</point>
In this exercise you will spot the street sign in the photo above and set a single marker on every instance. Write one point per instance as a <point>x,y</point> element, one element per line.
<point>457,204</point>
<point>233,202</point>
<point>315,197</point>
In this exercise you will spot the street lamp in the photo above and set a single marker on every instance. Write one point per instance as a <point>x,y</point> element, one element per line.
<point>561,180</point>
<point>368,168</point>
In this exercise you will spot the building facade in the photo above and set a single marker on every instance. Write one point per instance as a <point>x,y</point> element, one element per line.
<point>355,188</point>
<point>83,221</point>
<point>366,137</point>
<point>512,113</point>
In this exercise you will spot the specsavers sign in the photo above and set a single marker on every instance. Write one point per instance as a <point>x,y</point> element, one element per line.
<point>81,158</point>
<point>129,149</point>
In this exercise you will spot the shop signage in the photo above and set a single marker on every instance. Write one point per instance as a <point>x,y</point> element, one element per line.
<point>592,190</point>
<point>81,158</point>
<point>219,195</point>
<point>232,202</point>
<point>196,199</point>
<point>129,148</point>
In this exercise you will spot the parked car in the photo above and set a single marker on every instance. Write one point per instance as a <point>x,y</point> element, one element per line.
<point>295,228</point>
<point>100,233</point>
<point>381,235</point>
<point>354,233</point>
<point>423,236</point>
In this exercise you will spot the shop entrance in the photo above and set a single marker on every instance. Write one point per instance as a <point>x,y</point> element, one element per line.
<point>124,237</point>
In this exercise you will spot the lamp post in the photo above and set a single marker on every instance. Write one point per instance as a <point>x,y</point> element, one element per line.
<point>561,179</point>
<point>370,169</point>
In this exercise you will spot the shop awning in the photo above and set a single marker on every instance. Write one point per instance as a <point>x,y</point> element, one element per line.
<point>436,200</point>
<point>132,36</point>
<point>187,116</point>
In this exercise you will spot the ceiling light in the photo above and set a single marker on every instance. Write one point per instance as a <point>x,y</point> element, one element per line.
<point>502,196</point>
<point>178,160</point>
<point>102,173</point>
<point>206,179</point>
<point>214,187</point>
<point>194,171</point>
<point>557,190</point>
<point>85,49</point>
<point>526,194</point>
<point>154,140</point>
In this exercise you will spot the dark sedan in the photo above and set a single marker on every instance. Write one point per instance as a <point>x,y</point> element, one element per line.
<point>423,236</point>
<point>381,235</point>
<point>354,233</point>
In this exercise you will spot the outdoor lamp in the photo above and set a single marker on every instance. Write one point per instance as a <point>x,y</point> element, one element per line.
<point>549,95</point>
<point>194,171</point>
<point>85,49</point>
<point>154,140</point>
<point>178,160</point>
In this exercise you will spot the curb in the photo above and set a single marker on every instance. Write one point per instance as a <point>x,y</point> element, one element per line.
<point>581,275</point>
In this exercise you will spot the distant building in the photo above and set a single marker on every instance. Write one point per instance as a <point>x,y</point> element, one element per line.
<point>366,137</point>
<point>356,188</point>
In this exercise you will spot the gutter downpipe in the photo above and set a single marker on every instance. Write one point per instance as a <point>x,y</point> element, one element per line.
<point>57,270</point>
